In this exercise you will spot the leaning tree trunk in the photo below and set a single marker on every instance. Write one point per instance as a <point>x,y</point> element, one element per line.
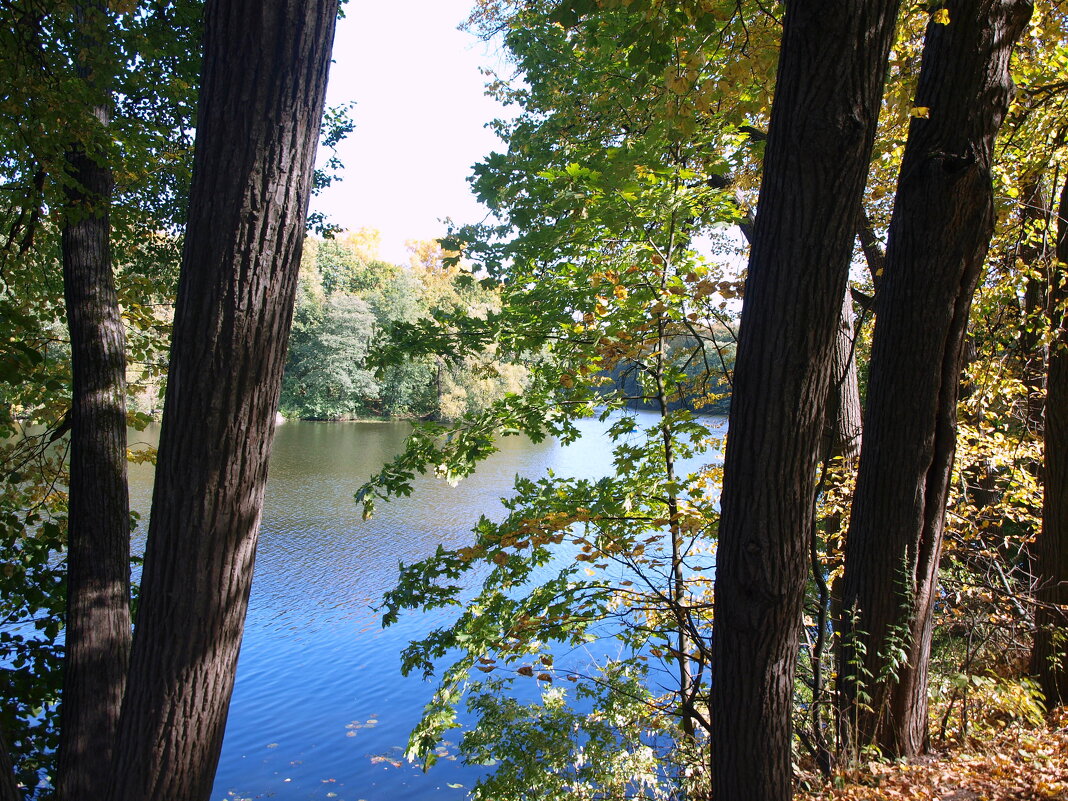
<point>263,83</point>
<point>1049,659</point>
<point>843,424</point>
<point>843,428</point>
<point>938,238</point>
<point>822,128</point>
<point>98,562</point>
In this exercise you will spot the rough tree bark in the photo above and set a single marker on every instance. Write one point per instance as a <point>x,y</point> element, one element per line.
<point>1049,659</point>
<point>938,238</point>
<point>826,106</point>
<point>98,556</point>
<point>843,425</point>
<point>263,83</point>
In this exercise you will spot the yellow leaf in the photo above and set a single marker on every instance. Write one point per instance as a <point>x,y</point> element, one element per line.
<point>922,112</point>
<point>942,16</point>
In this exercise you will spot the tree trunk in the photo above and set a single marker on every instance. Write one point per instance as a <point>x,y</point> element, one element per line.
<point>938,238</point>
<point>844,425</point>
<point>263,83</point>
<point>826,105</point>
<point>1049,659</point>
<point>98,561</point>
<point>9,789</point>
<point>874,255</point>
<point>1035,216</point>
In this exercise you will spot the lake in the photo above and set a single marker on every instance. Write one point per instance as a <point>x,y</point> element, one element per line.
<point>320,710</point>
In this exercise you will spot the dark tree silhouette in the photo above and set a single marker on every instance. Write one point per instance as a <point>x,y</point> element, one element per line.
<point>97,635</point>
<point>262,90</point>
<point>938,239</point>
<point>1049,660</point>
<point>827,97</point>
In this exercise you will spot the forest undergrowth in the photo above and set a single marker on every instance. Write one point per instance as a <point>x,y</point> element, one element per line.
<point>1020,762</point>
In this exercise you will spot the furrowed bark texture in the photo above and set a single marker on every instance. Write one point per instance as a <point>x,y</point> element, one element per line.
<point>843,419</point>
<point>826,105</point>
<point>938,238</point>
<point>1049,659</point>
<point>97,633</point>
<point>844,424</point>
<point>98,560</point>
<point>263,83</point>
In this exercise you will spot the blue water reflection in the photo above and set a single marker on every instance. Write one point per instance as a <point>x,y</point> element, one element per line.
<point>320,710</point>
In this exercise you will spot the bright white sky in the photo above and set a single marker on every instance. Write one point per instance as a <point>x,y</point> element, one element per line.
<point>420,119</point>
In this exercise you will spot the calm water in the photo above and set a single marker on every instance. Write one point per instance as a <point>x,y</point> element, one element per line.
<point>320,710</point>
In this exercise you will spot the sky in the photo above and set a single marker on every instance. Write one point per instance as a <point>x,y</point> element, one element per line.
<point>420,119</point>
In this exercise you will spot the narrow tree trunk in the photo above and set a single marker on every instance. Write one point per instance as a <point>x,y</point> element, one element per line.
<point>939,234</point>
<point>839,449</point>
<point>263,83</point>
<point>844,425</point>
<point>1035,215</point>
<point>1049,659</point>
<point>826,105</point>
<point>874,254</point>
<point>9,789</point>
<point>98,561</point>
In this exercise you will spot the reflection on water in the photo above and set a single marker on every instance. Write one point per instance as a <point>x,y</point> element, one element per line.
<point>320,710</point>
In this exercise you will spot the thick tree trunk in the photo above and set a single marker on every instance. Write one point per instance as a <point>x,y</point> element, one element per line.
<point>1049,659</point>
<point>844,423</point>
<point>264,79</point>
<point>827,100</point>
<point>98,561</point>
<point>938,238</point>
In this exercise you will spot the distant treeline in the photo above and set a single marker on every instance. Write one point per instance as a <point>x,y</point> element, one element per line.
<point>347,304</point>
